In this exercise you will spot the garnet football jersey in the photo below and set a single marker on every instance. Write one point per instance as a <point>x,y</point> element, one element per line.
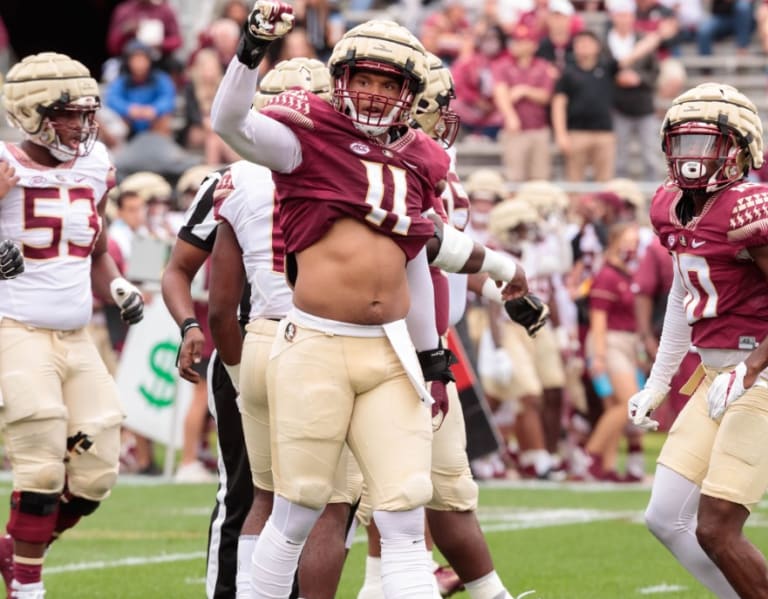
<point>245,198</point>
<point>52,214</point>
<point>344,174</point>
<point>726,300</point>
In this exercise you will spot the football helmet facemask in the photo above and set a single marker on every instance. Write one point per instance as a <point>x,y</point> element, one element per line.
<point>53,100</point>
<point>431,108</point>
<point>711,136</point>
<point>305,73</point>
<point>383,48</point>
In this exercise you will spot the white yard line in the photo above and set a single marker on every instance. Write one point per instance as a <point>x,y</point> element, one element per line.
<point>661,588</point>
<point>125,561</point>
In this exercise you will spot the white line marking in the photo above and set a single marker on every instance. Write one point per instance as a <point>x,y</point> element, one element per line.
<point>126,561</point>
<point>661,588</point>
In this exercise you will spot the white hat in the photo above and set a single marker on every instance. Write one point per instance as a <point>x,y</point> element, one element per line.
<point>620,6</point>
<point>564,7</point>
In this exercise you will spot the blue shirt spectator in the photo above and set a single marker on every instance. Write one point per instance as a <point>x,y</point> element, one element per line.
<point>144,96</point>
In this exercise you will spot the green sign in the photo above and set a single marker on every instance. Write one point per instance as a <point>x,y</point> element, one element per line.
<point>161,392</point>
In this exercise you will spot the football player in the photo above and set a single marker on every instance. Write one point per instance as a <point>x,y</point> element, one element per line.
<point>352,181</point>
<point>451,513</point>
<point>248,233</point>
<point>61,415</point>
<point>712,470</point>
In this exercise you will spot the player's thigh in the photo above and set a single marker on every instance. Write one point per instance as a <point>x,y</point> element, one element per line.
<point>549,362</point>
<point>452,482</point>
<point>689,442</point>
<point>390,435</point>
<point>310,400</point>
<point>260,335</point>
<point>738,470</point>
<point>95,416</point>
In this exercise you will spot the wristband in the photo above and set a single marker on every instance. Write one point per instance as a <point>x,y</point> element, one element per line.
<point>189,323</point>
<point>491,292</point>
<point>498,266</point>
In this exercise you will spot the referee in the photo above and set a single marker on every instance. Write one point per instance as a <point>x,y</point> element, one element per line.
<point>235,493</point>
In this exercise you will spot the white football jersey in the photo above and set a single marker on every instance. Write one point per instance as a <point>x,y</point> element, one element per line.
<point>52,214</point>
<point>245,198</point>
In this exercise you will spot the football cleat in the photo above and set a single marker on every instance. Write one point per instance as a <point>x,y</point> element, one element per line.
<point>31,590</point>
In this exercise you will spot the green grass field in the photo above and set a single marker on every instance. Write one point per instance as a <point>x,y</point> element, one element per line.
<point>566,541</point>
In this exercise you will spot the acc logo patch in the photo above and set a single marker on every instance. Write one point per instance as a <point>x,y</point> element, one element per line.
<point>359,147</point>
<point>671,240</point>
<point>290,331</point>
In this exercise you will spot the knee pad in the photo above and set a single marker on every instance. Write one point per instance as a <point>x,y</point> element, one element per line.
<point>309,492</point>
<point>33,516</point>
<point>454,493</point>
<point>36,451</point>
<point>413,492</point>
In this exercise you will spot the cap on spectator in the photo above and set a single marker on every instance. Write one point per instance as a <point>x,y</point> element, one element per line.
<point>136,45</point>
<point>620,6</point>
<point>563,7</point>
<point>523,32</point>
<point>610,199</point>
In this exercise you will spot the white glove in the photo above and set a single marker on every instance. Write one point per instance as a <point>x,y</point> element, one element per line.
<point>270,20</point>
<point>129,299</point>
<point>725,389</point>
<point>642,403</point>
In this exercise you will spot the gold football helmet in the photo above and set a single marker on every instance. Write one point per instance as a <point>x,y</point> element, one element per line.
<point>431,108</point>
<point>307,73</point>
<point>513,221</point>
<point>711,136</point>
<point>43,88</point>
<point>486,183</point>
<point>383,48</point>
<point>547,198</point>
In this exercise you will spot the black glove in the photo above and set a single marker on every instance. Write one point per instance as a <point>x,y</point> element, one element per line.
<point>436,367</point>
<point>268,21</point>
<point>11,260</point>
<point>129,299</point>
<point>528,311</point>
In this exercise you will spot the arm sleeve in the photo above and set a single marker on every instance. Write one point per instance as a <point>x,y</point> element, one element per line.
<point>457,304</point>
<point>675,339</point>
<point>254,136</point>
<point>421,316</point>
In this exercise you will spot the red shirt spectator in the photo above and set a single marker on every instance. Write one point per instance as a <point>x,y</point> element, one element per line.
<point>444,32</point>
<point>611,291</point>
<point>151,21</point>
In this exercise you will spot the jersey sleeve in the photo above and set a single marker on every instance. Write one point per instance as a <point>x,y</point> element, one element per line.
<point>748,223</point>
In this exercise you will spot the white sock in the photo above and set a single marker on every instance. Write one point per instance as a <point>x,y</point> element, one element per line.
<point>404,570</point>
<point>433,565</point>
<point>487,587</point>
<point>372,570</point>
<point>245,545</point>
<point>671,517</point>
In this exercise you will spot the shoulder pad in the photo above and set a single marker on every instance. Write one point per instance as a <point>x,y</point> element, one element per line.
<point>749,212</point>
<point>292,106</point>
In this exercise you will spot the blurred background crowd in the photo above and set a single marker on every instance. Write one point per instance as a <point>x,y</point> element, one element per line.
<point>559,152</point>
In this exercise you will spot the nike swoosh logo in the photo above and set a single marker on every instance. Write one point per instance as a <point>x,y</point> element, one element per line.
<point>697,244</point>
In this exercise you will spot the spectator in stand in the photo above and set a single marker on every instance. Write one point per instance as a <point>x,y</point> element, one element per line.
<point>445,31</point>
<point>473,81</point>
<point>727,17</point>
<point>653,17</point>
<point>689,14</point>
<point>522,92</point>
<point>634,114</point>
<point>322,22</point>
<point>204,73</point>
<point>556,45</point>
<point>538,17</point>
<point>581,112</point>
<point>146,98</point>
<point>153,22</point>
<point>222,36</point>
<point>294,45</point>
<point>237,10</point>
<point>761,20</point>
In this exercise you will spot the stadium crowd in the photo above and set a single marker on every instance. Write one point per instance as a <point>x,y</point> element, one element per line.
<point>571,97</point>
